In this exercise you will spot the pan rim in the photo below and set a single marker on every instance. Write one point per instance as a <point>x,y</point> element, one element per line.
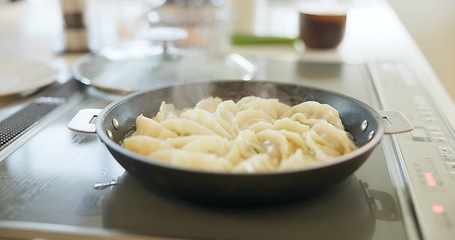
<point>377,137</point>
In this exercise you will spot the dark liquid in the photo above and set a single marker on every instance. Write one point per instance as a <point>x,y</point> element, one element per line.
<point>322,31</point>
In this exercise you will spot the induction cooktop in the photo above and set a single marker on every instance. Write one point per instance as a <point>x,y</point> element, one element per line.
<point>61,184</point>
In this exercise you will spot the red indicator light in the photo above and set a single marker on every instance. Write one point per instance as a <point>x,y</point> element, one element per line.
<point>439,209</point>
<point>430,179</point>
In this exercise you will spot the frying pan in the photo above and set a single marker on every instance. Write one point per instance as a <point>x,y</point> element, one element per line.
<point>116,120</point>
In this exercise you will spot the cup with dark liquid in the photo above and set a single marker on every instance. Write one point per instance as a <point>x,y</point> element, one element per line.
<point>322,25</point>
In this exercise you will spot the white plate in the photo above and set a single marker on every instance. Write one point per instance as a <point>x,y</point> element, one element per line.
<point>18,76</point>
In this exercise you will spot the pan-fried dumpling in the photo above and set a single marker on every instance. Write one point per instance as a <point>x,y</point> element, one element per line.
<point>206,119</point>
<point>335,138</point>
<point>257,163</point>
<point>291,130</point>
<point>296,140</point>
<point>209,144</point>
<point>149,127</point>
<point>242,104</point>
<point>164,155</point>
<point>252,135</point>
<point>209,104</point>
<point>327,141</point>
<point>245,145</point>
<point>185,127</point>
<point>304,120</point>
<point>260,126</point>
<point>248,117</point>
<point>179,142</point>
<point>298,160</point>
<point>276,144</point>
<point>144,145</point>
<point>280,124</point>
<point>290,125</point>
<point>271,106</point>
<point>319,148</point>
<point>279,107</point>
<point>225,113</point>
<point>200,161</point>
<point>166,111</point>
<point>312,112</point>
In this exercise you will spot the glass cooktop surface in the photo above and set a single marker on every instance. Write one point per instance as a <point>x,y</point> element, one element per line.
<point>47,184</point>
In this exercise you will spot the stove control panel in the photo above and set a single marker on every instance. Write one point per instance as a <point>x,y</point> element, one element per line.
<point>427,153</point>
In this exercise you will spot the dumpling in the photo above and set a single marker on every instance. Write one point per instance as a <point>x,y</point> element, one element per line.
<point>209,104</point>
<point>312,112</point>
<point>200,161</point>
<point>206,119</point>
<point>276,144</point>
<point>326,141</point>
<point>245,145</point>
<point>260,126</point>
<point>149,127</point>
<point>279,107</point>
<point>298,160</point>
<point>256,163</point>
<point>248,117</point>
<point>335,138</point>
<point>270,106</point>
<point>296,140</point>
<point>251,135</point>
<point>225,114</point>
<point>185,127</point>
<point>163,155</point>
<point>319,148</point>
<point>144,145</point>
<point>179,142</point>
<point>290,125</point>
<point>166,111</point>
<point>209,144</point>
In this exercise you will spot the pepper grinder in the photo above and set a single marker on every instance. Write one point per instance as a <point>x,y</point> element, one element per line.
<point>75,31</point>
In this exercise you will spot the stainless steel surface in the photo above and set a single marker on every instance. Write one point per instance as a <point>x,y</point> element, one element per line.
<point>48,189</point>
<point>29,114</point>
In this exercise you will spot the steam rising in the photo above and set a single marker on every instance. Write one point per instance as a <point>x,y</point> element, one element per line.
<point>186,95</point>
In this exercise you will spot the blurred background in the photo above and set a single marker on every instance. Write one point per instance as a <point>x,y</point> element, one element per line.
<point>430,23</point>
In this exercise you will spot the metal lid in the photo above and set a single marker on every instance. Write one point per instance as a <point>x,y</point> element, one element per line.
<point>142,65</point>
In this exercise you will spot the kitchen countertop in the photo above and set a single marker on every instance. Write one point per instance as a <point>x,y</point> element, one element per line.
<point>33,29</point>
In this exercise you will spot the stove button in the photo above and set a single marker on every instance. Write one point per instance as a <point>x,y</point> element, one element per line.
<point>437,134</point>
<point>449,158</point>
<point>429,119</point>
<point>439,139</point>
<point>451,167</point>
<point>446,150</point>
